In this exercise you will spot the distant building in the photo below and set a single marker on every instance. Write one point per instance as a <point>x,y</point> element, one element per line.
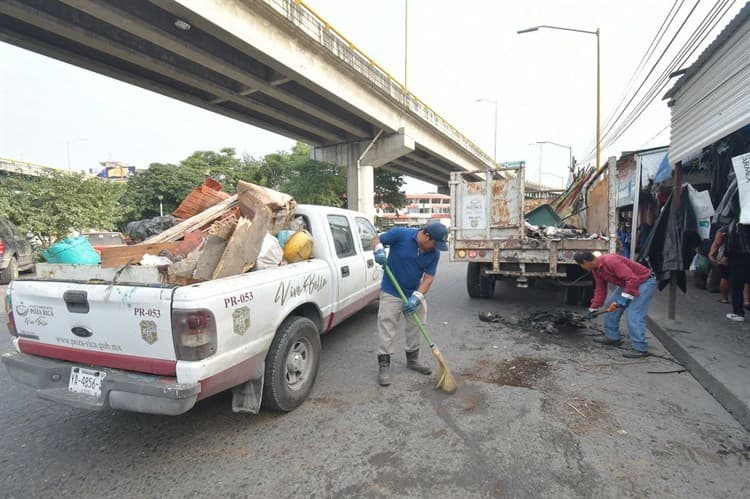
<point>114,171</point>
<point>420,210</point>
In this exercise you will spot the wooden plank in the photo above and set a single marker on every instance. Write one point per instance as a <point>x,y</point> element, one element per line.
<point>244,247</point>
<point>210,257</point>
<point>117,256</point>
<point>193,223</point>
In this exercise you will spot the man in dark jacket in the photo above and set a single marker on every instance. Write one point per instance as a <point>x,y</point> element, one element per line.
<point>636,285</point>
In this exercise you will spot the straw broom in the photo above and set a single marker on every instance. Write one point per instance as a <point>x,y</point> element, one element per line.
<point>446,382</point>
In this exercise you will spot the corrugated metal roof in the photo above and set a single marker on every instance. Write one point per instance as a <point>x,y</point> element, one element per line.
<point>742,16</point>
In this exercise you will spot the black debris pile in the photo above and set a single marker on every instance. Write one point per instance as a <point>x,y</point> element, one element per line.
<point>552,321</point>
<point>546,322</point>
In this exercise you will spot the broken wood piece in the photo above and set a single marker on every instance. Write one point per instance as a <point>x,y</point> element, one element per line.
<point>281,205</point>
<point>210,257</point>
<point>117,256</point>
<point>223,228</point>
<point>244,247</point>
<point>193,223</point>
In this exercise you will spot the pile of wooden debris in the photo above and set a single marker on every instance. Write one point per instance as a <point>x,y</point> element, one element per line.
<point>222,235</point>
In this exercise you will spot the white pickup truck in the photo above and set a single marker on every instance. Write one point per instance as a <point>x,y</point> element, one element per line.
<point>159,348</point>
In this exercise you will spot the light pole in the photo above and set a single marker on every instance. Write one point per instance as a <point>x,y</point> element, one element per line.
<point>161,211</point>
<point>598,78</point>
<point>67,147</point>
<point>494,137</point>
<point>570,152</point>
<point>406,44</point>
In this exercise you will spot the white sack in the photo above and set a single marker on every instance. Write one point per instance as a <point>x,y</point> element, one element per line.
<point>271,253</point>
<point>703,209</point>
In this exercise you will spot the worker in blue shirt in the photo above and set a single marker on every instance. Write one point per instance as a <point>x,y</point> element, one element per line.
<point>413,260</point>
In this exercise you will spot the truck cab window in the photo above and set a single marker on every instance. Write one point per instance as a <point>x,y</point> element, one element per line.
<point>366,232</point>
<point>342,236</point>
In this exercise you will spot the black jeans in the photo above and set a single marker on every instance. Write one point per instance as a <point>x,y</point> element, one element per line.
<point>739,274</point>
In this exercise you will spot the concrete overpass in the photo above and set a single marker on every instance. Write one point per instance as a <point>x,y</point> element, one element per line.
<point>274,64</point>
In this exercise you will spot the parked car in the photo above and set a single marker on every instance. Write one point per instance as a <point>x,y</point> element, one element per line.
<point>101,239</point>
<point>16,253</point>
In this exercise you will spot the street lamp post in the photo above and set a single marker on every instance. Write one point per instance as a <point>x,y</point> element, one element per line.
<point>494,143</point>
<point>67,147</point>
<point>161,210</point>
<point>598,78</point>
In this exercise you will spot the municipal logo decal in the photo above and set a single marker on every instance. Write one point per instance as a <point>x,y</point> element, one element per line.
<point>241,320</point>
<point>148,332</point>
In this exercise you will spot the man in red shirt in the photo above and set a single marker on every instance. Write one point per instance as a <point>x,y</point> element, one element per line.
<point>636,286</point>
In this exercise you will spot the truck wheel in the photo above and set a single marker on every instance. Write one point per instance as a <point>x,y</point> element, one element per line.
<point>572,295</point>
<point>476,285</point>
<point>291,364</point>
<point>9,273</point>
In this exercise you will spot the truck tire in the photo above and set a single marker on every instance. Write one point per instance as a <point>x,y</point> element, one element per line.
<point>9,273</point>
<point>476,285</point>
<point>291,364</point>
<point>572,295</point>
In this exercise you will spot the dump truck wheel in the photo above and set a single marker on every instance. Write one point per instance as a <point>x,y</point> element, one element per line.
<point>572,295</point>
<point>477,285</point>
<point>291,364</point>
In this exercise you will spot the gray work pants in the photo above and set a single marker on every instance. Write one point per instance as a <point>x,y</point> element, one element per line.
<point>389,313</point>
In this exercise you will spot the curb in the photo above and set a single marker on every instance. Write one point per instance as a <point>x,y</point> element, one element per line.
<point>733,404</point>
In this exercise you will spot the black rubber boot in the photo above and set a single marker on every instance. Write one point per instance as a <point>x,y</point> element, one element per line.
<point>384,368</point>
<point>412,362</point>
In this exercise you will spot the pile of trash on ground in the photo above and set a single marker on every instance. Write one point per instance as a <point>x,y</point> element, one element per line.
<point>211,235</point>
<point>545,321</point>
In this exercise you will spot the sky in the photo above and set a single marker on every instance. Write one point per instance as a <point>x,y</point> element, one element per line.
<point>544,84</point>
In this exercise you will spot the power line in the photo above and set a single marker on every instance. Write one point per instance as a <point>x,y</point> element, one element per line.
<point>708,23</point>
<point>698,36</point>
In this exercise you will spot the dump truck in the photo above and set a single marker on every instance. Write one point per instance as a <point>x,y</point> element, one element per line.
<point>490,232</point>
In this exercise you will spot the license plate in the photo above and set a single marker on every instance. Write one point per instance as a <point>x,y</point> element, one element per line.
<point>88,381</point>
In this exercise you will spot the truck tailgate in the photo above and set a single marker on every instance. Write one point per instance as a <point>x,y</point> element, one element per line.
<point>123,327</point>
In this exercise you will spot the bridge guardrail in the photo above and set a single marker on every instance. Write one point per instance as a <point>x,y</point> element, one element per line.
<point>317,28</point>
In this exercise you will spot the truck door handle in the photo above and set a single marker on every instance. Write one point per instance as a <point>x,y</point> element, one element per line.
<point>76,301</point>
<point>345,271</point>
<point>370,263</point>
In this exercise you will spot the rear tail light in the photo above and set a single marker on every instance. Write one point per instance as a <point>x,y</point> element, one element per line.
<point>11,320</point>
<point>2,247</point>
<point>472,253</point>
<point>194,334</point>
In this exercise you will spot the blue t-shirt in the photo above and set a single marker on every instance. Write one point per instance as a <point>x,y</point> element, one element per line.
<point>405,260</point>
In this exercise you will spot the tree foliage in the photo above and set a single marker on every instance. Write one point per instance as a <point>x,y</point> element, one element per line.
<point>53,205</point>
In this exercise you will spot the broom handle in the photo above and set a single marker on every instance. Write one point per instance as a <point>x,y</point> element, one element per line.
<point>403,297</point>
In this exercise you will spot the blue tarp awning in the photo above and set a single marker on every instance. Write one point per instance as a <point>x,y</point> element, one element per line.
<point>664,171</point>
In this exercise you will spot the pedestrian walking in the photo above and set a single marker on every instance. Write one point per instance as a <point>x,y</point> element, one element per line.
<point>635,286</point>
<point>738,255</point>
<point>413,259</point>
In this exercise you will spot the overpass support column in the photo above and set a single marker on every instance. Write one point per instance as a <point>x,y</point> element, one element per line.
<point>360,159</point>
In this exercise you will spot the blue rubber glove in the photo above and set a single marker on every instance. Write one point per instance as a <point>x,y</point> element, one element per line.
<point>380,255</point>
<point>413,303</point>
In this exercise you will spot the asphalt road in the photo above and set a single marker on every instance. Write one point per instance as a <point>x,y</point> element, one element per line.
<point>535,415</point>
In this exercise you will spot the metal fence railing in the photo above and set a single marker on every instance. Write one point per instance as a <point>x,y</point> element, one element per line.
<point>320,31</point>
